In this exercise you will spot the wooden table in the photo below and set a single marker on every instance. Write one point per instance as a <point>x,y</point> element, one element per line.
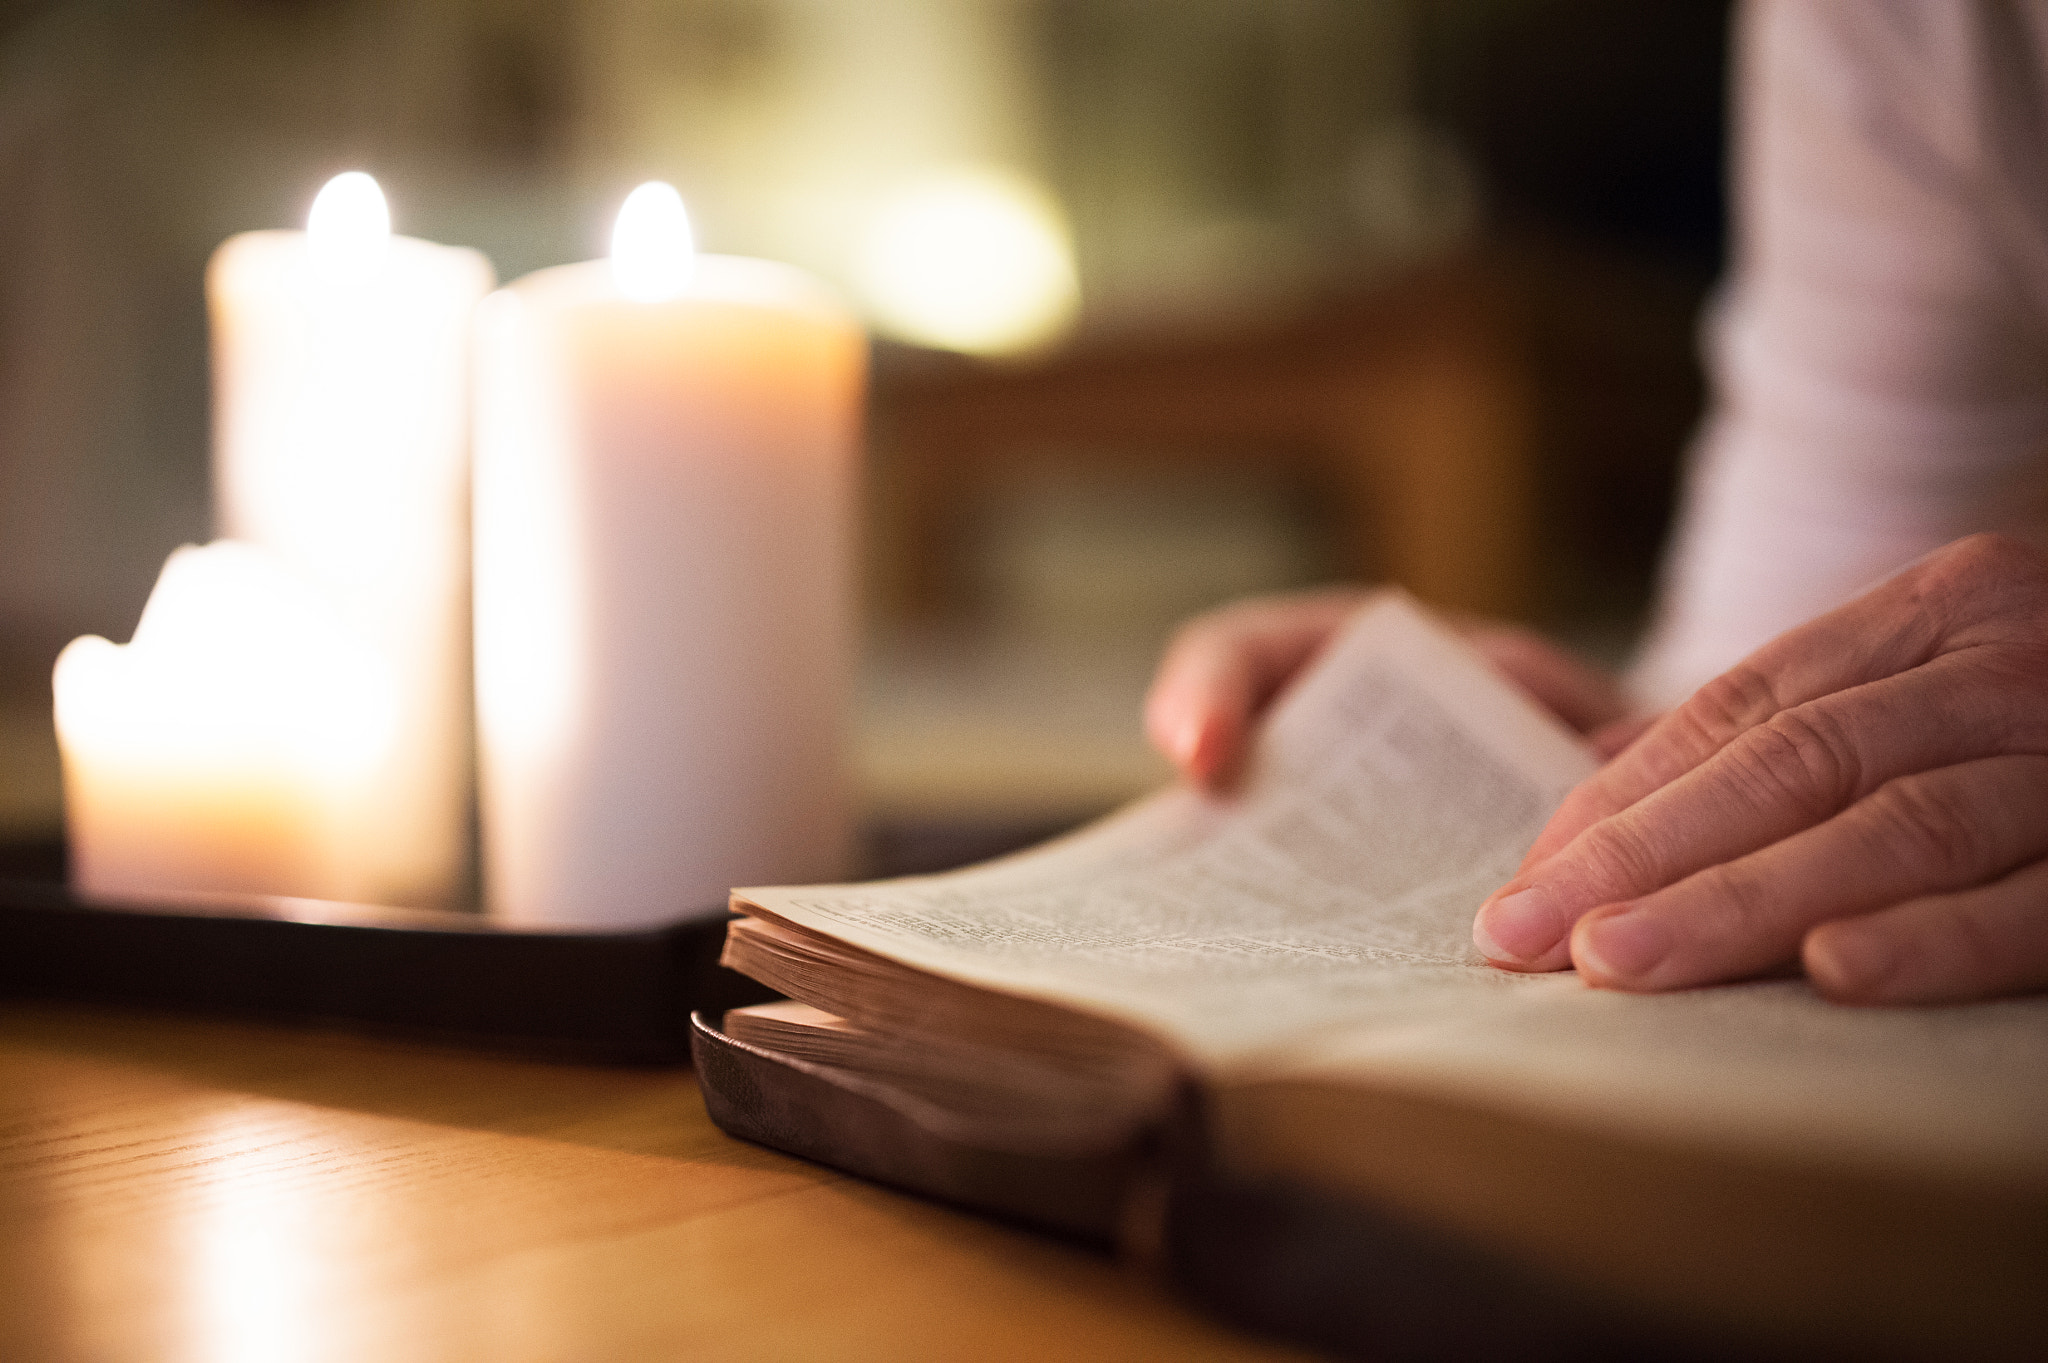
<point>174,1189</point>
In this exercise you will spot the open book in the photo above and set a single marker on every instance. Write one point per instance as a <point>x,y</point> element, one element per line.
<point>1301,950</point>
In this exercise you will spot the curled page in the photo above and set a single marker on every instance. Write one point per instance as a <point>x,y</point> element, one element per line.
<point>1398,783</point>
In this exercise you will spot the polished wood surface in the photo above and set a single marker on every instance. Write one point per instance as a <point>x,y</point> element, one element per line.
<point>173,1189</point>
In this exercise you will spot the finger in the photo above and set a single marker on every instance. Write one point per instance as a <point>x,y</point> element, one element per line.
<point>1936,832</point>
<point>1801,767</point>
<point>1891,629</point>
<point>1583,697</point>
<point>1718,712</point>
<point>1975,591</point>
<point>1611,740</point>
<point>1222,669</point>
<point>1977,944</point>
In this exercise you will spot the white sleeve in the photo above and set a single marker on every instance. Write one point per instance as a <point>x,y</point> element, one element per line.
<point>1879,355</point>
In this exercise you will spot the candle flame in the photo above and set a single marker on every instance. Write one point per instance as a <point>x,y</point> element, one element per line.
<point>654,253</point>
<point>349,227</point>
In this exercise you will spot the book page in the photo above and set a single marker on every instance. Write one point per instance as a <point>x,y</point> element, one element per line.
<point>1006,1098</point>
<point>1393,788</point>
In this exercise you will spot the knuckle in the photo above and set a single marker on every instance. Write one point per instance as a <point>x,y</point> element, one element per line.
<point>1981,569</point>
<point>1736,700</point>
<point>1619,858</point>
<point>1998,557</point>
<point>1802,757</point>
<point>1931,827</point>
<point>1738,898</point>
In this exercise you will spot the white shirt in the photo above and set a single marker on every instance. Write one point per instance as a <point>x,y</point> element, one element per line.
<point>1879,353</point>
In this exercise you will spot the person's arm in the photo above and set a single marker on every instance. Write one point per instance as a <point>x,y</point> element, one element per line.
<point>1878,354</point>
<point>1865,793</point>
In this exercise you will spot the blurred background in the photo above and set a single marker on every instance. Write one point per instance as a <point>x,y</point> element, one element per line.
<point>1174,300</point>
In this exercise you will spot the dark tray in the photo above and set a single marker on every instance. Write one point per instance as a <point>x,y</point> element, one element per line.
<point>609,995</point>
<point>615,994</point>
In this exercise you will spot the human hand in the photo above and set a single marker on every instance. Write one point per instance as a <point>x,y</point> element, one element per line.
<point>1225,667</point>
<point>1868,793</point>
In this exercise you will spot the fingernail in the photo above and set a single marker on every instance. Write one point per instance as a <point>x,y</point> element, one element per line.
<point>1626,945</point>
<point>1518,927</point>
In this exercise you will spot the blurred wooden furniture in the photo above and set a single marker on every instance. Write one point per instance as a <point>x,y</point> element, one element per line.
<point>175,1189</point>
<point>1409,411</point>
<point>1498,431</point>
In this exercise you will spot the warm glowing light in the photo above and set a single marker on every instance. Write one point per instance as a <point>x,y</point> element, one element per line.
<point>235,661</point>
<point>654,253</point>
<point>976,260</point>
<point>348,230</point>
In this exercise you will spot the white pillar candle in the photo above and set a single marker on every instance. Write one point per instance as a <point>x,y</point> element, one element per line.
<point>665,477</point>
<point>232,745</point>
<point>341,368</point>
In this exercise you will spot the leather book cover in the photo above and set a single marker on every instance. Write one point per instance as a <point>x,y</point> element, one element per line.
<point>863,1127</point>
<point>1350,1278</point>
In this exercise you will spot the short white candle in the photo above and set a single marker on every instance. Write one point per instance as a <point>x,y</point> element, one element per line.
<point>665,477</point>
<point>231,746</point>
<point>341,368</point>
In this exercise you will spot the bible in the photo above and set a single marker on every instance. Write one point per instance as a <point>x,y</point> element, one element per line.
<point>1292,963</point>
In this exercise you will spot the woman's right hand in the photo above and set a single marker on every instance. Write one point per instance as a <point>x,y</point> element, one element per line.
<point>1226,666</point>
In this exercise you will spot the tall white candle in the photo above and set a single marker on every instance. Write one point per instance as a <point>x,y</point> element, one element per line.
<point>341,367</point>
<point>665,477</point>
<point>232,745</point>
